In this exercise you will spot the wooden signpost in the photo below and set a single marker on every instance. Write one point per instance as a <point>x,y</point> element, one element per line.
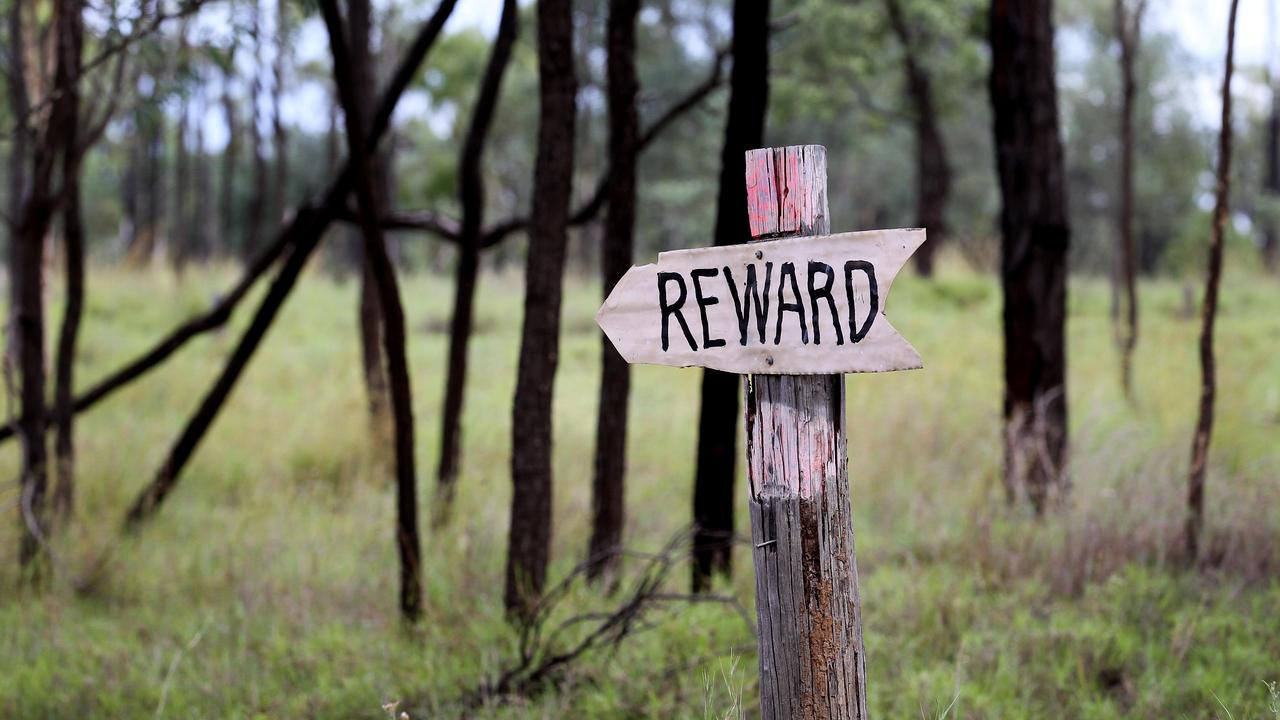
<point>792,312</point>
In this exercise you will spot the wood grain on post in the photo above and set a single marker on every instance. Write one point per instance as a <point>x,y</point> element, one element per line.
<point>812,661</point>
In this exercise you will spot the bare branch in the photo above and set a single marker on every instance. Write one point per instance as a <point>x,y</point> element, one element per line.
<point>587,212</point>
<point>145,29</point>
<point>442,226</point>
<point>545,651</point>
<point>213,318</point>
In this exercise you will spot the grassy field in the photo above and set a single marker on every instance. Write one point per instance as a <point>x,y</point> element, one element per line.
<point>266,587</point>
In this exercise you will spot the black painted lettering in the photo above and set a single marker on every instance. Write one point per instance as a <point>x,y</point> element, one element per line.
<point>703,303</point>
<point>784,307</point>
<point>669,309</point>
<point>750,292</point>
<point>849,267</point>
<point>820,268</point>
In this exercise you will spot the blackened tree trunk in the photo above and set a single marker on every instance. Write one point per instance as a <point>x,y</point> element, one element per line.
<point>1270,233</point>
<point>608,482</point>
<point>26,311</point>
<point>471,198</point>
<point>280,189</point>
<point>1128,22</point>
<point>299,237</point>
<point>256,223</point>
<point>230,158</point>
<point>1209,313</point>
<point>73,239</point>
<point>27,326</point>
<point>530,533</point>
<point>713,497</point>
<point>383,271</point>
<point>359,28</point>
<point>933,171</point>
<point>151,188</point>
<point>19,108</point>
<point>26,254</point>
<point>1035,236</point>
<point>182,227</point>
<point>202,200</point>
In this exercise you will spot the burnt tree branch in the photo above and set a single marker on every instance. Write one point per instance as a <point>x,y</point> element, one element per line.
<point>306,228</point>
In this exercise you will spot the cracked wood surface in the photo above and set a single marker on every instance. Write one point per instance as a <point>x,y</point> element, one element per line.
<point>812,662</point>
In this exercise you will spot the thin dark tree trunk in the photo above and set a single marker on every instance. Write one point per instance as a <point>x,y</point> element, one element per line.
<point>471,198</point>
<point>393,313</point>
<point>280,191</point>
<point>151,189</point>
<point>1270,233</point>
<point>26,253</point>
<point>73,239</point>
<point>128,228</point>
<point>202,205</point>
<point>182,227</point>
<point>608,482</point>
<point>1035,236</point>
<point>530,533</point>
<point>1128,22</point>
<point>301,235</point>
<point>1209,313</point>
<point>359,28</point>
<point>230,158</point>
<point>19,108</point>
<point>713,496</point>
<point>26,310</point>
<point>258,201</point>
<point>933,171</point>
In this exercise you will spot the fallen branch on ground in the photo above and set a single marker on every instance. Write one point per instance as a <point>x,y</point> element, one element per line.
<point>547,649</point>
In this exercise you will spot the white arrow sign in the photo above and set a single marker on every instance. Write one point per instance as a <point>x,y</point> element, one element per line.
<point>794,306</point>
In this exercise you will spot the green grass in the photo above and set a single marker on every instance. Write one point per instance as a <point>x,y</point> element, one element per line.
<point>266,586</point>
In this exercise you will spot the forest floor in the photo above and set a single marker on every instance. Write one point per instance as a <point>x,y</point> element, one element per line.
<point>267,584</point>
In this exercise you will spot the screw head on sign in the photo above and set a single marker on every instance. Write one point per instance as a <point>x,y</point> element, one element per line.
<point>759,254</point>
<point>768,360</point>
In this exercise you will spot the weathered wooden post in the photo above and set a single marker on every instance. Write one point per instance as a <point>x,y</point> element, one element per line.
<point>812,662</point>
<point>793,311</point>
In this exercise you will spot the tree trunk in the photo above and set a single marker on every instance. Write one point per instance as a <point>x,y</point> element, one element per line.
<point>151,189</point>
<point>230,158</point>
<point>608,489</point>
<point>258,202</point>
<point>73,237</point>
<point>933,171</point>
<point>359,28</point>
<point>280,191</point>
<point>1035,236</point>
<point>713,499</point>
<point>1128,30</point>
<point>26,311</point>
<point>26,256</point>
<point>471,198</point>
<point>202,198</point>
<point>27,326</point>
<point>383,271</point>
<point>182,227</point>
<point>1209,313</point>
<point>19,108</point>
<point>1270,233</point>
<point>530,532</point>
<point>300,235</point>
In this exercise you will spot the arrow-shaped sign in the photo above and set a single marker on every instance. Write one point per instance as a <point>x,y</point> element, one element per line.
<point>795,306</point>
